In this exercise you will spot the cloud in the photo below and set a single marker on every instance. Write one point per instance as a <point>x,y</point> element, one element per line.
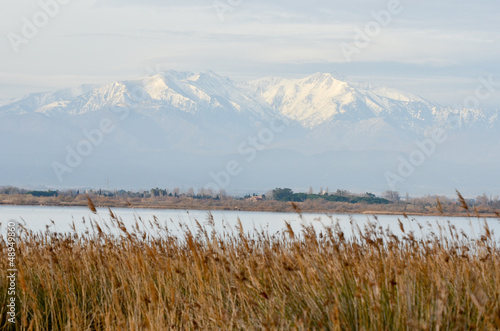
<point>109,38</point>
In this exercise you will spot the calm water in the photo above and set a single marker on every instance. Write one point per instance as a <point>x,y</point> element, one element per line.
<point>59,219</point>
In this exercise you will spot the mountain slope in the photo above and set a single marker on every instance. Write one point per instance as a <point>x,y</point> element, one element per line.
<point>322,98</point>
<point>194,129</point>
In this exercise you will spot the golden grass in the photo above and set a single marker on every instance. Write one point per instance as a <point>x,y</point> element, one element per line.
<point>146,278</point>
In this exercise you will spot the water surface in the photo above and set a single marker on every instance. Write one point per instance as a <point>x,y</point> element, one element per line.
<point>60,219</point>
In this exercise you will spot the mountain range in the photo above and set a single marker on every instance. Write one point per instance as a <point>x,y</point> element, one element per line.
<point>204,130</point>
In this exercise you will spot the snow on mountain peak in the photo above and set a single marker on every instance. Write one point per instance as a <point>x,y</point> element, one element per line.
<point>183,125</point>
<point>155,86</point>
<point>324,97</point>
<point>310,101</point>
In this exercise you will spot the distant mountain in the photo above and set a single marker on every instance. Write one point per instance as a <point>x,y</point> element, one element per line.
<point>322,98</point>
<point>182,128</point>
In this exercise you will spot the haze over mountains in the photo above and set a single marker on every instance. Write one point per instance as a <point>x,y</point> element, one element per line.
<point>195,130</point>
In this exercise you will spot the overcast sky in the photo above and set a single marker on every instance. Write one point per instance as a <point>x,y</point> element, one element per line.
<point>437,49</point>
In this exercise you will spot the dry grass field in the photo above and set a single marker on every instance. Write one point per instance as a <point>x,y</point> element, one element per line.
<point>146,278</point>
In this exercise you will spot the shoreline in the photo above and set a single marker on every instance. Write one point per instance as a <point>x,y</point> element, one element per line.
<point>390,213</point>
<point>281,208</point>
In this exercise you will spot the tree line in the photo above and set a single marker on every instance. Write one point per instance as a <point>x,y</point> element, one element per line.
<point>287,194</point>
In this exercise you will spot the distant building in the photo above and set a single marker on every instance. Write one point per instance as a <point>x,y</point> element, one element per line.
<point>255,198</point>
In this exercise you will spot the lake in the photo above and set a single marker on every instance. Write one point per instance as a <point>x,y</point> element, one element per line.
<point>59,219</point>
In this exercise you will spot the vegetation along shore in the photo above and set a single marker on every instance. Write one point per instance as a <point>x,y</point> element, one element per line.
<point>277,200</point>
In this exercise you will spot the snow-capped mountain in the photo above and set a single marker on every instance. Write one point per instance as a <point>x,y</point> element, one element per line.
<point>182,128</point>
<point>310,102</point>
<point>188,111</point>
<point>187,92</point>
<point>322,98</point>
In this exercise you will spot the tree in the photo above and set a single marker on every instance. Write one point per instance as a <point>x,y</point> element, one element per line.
<point>343,193</point>
<point>483,199</point>
<point>282,194</point>
<point>391,196</point>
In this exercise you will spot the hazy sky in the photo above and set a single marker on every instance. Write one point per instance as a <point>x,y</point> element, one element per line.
<point>437,48</point>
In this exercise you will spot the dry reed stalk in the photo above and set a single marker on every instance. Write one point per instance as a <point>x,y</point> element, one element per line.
<point>91,205</point>
<point>129,279</point>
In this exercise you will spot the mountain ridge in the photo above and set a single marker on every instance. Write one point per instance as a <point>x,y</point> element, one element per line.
<point>178,126</point>
<point>310,101</point>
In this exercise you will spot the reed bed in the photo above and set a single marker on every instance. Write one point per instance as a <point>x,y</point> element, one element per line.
<point>146,277</point>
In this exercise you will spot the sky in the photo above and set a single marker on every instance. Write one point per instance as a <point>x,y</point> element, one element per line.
<point>439,49</point>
